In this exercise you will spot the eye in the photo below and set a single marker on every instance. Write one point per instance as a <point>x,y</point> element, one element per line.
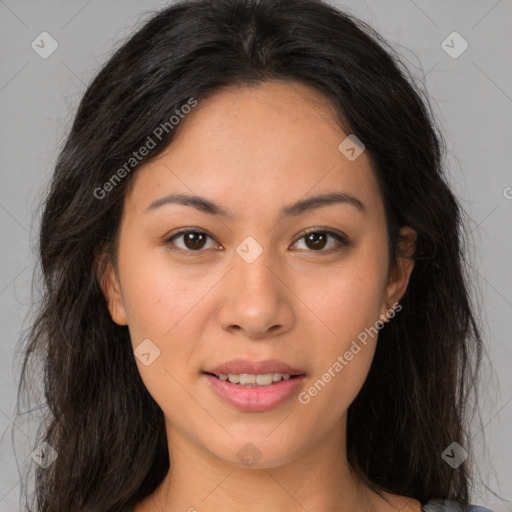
<point>316,240</point>
<point>193,240</point>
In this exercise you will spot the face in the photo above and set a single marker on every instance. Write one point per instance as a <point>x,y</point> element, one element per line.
<point>260,280</point>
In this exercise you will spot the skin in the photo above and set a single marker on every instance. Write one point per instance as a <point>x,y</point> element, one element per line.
<point>254,150</point>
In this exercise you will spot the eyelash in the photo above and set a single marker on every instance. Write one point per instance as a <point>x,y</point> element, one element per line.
<point>341,239</point>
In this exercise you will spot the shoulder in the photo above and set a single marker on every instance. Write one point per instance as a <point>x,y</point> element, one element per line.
<point>440,505</point>
<point>397,503</point>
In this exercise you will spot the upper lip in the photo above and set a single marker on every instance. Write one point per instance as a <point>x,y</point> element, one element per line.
<point>255,367</point>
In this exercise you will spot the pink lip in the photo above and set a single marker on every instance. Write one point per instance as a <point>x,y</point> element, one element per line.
<point>255,399</point>
<point>255,368</point>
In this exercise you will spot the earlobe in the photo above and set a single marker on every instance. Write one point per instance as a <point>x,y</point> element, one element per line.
<point>109,284</point>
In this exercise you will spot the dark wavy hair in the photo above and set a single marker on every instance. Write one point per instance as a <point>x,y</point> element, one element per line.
<point>108,431</point>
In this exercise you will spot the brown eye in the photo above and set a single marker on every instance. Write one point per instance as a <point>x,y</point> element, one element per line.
<point>192,240</point>
<point>317,240</point>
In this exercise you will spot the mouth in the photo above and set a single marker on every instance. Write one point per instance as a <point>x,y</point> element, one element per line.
<point>254,392</point>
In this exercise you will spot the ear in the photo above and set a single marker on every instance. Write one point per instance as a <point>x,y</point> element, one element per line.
<point>109,284</point>
<point>399,276</point>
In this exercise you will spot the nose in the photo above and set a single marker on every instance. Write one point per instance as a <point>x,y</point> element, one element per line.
<point>256,300</point>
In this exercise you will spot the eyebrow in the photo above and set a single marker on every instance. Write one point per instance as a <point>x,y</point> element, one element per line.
<point>294,209</point>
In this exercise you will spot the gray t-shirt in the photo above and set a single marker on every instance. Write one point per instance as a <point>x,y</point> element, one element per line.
<point>440,505</point>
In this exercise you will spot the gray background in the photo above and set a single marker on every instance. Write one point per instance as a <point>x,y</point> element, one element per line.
<point>472,99</point>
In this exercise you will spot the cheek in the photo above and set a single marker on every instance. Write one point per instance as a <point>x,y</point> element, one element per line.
<point>163,303</point>
<point>160,293</point>
<point>167,303</point>
<point>348,301</point>
<point>349,297</point>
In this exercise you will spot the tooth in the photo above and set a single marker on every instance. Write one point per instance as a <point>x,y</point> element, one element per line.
<point>265,379</point>
<point>246,378</point>
<point>252,380</point>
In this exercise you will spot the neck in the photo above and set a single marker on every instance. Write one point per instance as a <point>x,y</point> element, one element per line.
<point>319,479</point>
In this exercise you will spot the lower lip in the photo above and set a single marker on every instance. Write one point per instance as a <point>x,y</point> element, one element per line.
<point>255,399</point>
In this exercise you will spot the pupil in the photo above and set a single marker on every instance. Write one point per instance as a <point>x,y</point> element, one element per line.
<point>312,238</point>
<point>189,240</point>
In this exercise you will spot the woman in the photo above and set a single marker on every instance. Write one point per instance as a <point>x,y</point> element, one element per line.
<point>255,294</point>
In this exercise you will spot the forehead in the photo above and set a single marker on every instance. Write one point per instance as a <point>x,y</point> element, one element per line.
<point>255,147</point>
